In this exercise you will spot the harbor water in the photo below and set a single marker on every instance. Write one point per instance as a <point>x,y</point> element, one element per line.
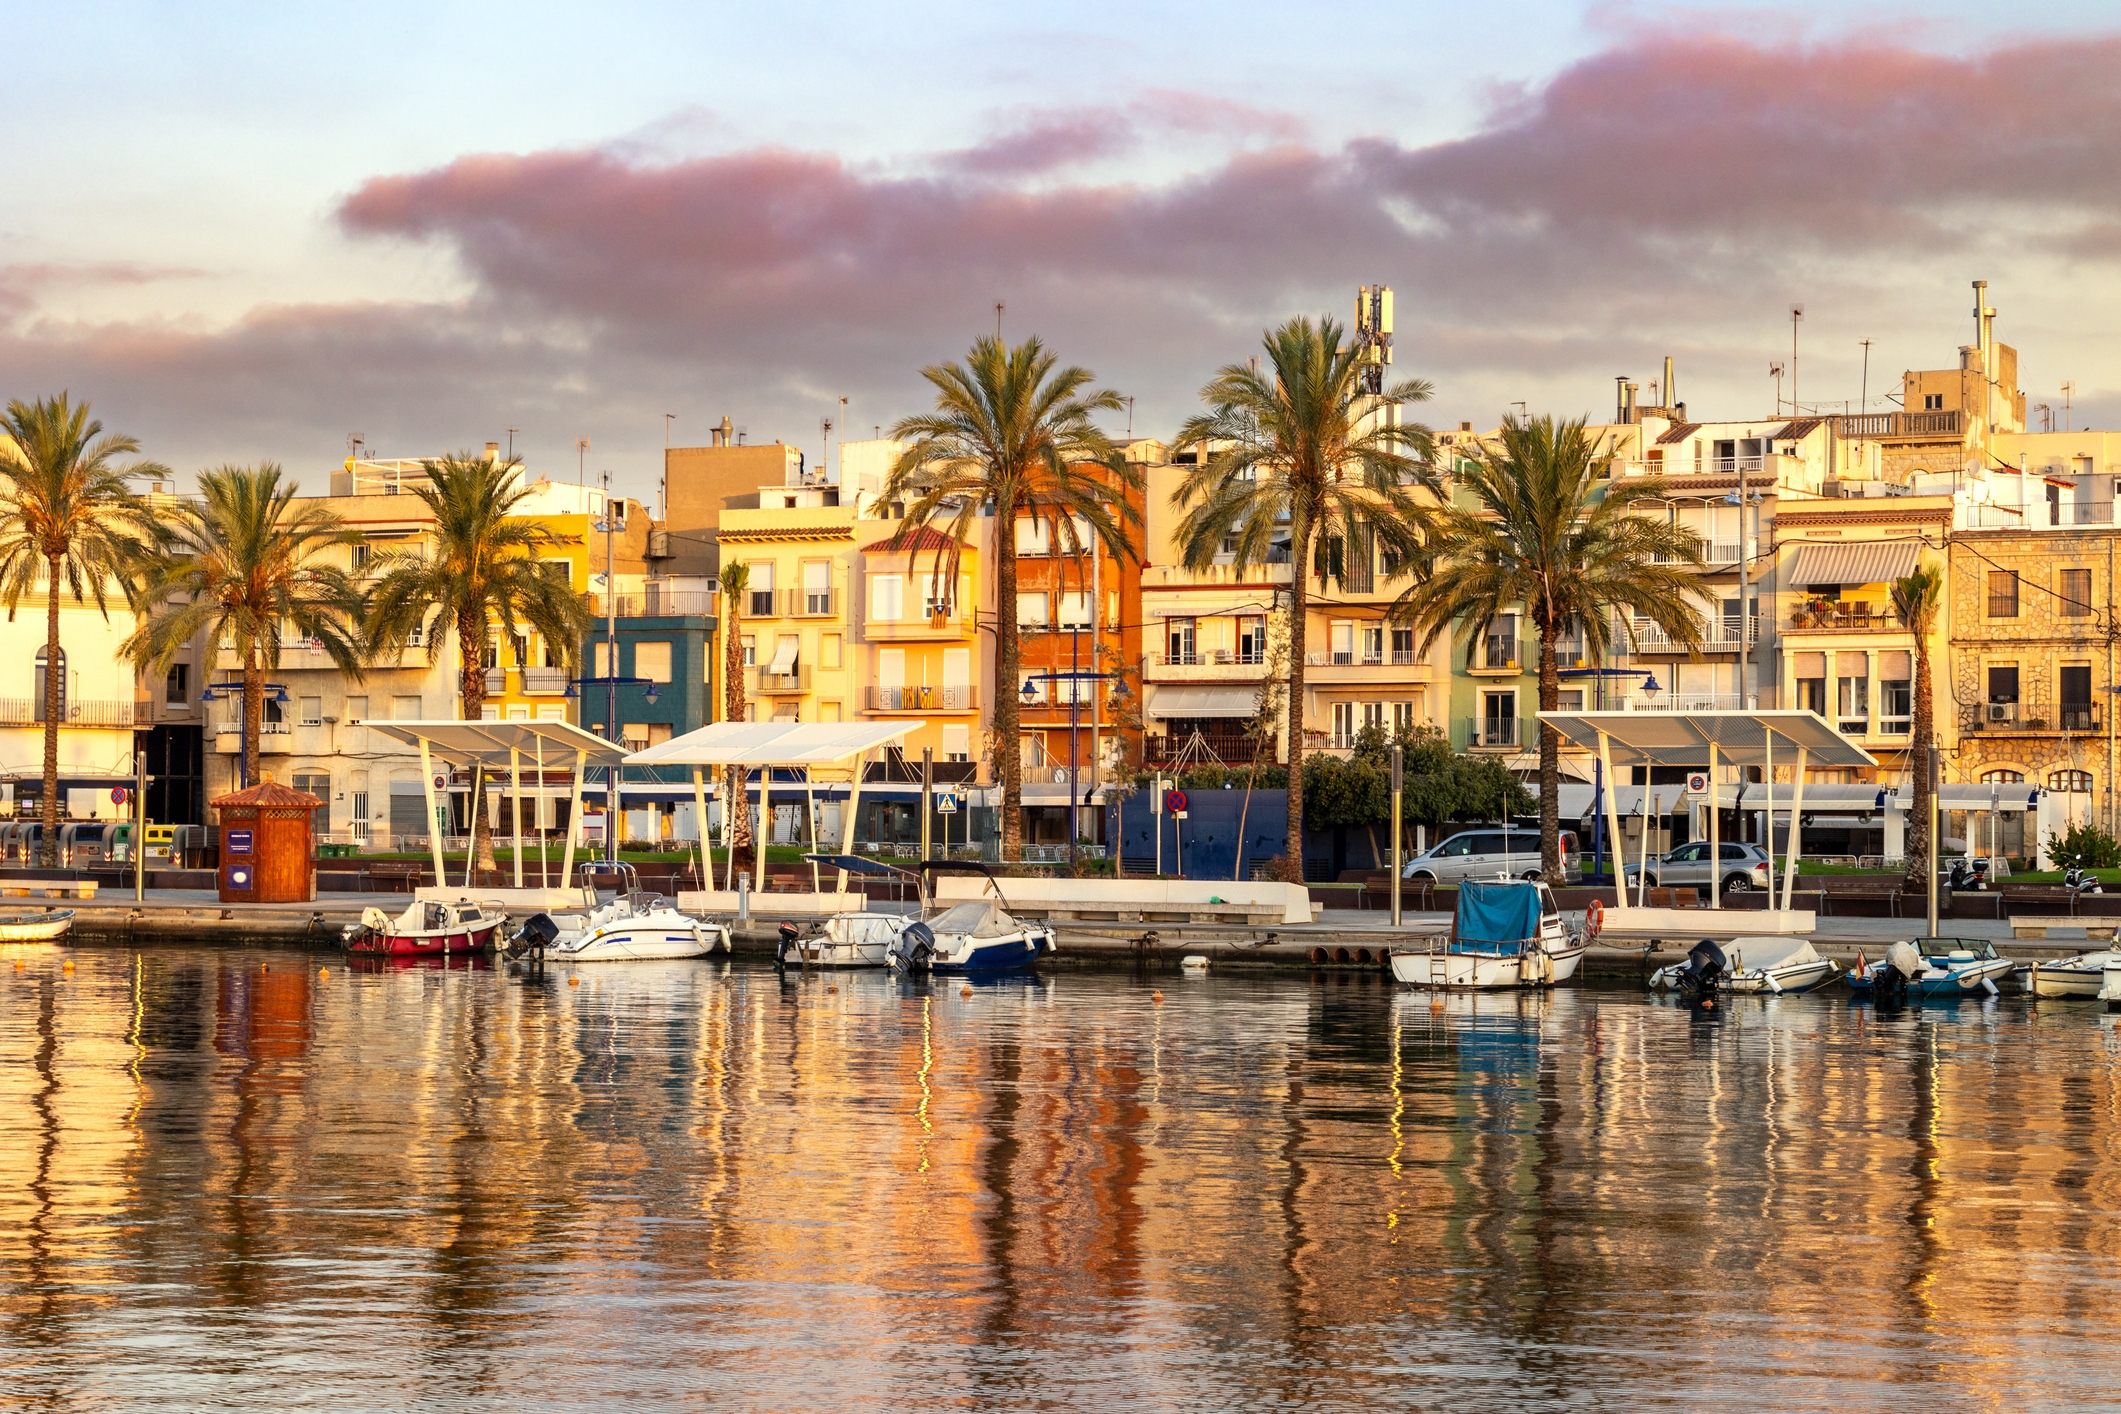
<point>262,1180</point>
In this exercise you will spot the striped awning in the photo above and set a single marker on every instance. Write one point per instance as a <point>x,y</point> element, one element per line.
<point>1168,702</point>
<point>1872,562</point>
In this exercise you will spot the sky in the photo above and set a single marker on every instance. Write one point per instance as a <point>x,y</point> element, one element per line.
<point>246,232</point>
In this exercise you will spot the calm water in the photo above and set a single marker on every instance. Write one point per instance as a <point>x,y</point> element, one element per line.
<point>228,1181</point>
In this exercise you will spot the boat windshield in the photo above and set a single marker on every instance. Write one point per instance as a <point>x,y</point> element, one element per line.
<point>978,918</point>
<point>1981,948</point>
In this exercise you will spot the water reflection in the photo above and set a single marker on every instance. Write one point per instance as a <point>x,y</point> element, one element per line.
<point>226,1177</point>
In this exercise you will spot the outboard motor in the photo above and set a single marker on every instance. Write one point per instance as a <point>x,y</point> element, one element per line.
<point>787,947</point>
<point>914,948</point>
<point>1893,973</point>
<point>536,934</point>
<point>1703,971</point>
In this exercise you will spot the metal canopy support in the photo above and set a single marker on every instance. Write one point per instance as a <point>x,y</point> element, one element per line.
<point>1789,876</point>
<point>1715,834</point>
<point>1768,773</point>
<point>434,833</point>
<point>810,809</point>
<point>852,816</point>
<point>543,881</point>
<point>699,805</point>
<point>515,808</point>
<point>1612,816</point>
<point>574,816</point>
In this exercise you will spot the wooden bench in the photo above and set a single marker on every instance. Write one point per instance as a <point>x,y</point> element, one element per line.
<point>48,888</point>
<point>2096,929</point>
<point>1849,889</point>
<point>398,871</point>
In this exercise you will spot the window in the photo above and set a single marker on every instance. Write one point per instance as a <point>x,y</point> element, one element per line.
<point>2003,683</point>
<point>519,714</point>
<point>1344,724</point>
<point>1402,647</point>
<point>760,585</point>
<point>2080,781</point>
<point>489,711</point>
<point>1811,695</point>
<point>1499,648</point>
<point>177,686</point>
<point>1181,643</point>
<point>1570,700</point>
<point>2003,594</point>
<point>37,704</point>
<point>274,713</point>
<point>1034,536</point>
<point>360,814</point>
<point>1252,640</point>
<point>1852,691</point>
<point>751,650</point>
<point>1031,610</point>
<point>829,651</point>
<point>318,784</point>
<point>957,742</point>
<point>887,597</point>
<point>2076,685</point>
<point>312,711</point>
<point>359,556</point>
<point>1498,723</point>
<point>652,661</point>
<point>551,712</point>
<point>2076,594</point>
<point>817,586</point>
<point>1402,718</point>
<point>935,596</point>
<point>1343,644</point>
<point>1075,610</point>
<point>356,710</point>
<point>1373,714</point>
<point>600,654</point>
<point>561,570</point>
<point>1330,559</point>
<point>1933,402</point>
<point>1373,643</point>
<point>634,735</point>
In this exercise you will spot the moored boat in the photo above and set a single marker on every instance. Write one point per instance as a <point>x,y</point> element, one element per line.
<point>2081,976</point>
<point>1931,969</point>
<point>843,940</point>
<point>1505,934</point>
<point>426,929</point>
<point>1772,966</point>
<point>634,927</point>
<point>36,927</point>
<point>972,935</point>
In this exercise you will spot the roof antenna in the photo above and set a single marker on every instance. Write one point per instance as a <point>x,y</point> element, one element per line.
<point>998,321</point>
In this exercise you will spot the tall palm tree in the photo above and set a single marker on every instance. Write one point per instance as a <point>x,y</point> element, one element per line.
<point>735,580</point>
<point>243,565</point>
<point>66,517</point>
<point>1549,531</point>
<point>1298,457</point>
<point>1013,431</point>
<point>485,569</point>
<point>1918,599</point>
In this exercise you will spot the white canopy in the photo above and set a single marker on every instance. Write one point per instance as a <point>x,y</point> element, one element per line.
<point>1236,702</point>
<point>773,743</point>
<point>490,742</point>
<point>1683,738</point>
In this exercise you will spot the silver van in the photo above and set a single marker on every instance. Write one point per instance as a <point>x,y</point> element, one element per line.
<point>1488,853</point>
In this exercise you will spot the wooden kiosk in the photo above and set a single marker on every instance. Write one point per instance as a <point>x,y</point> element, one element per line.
<point>268,845</point>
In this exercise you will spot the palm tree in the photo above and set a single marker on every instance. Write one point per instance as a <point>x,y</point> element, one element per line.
<point>244,566</point>
<point>66,516</point>
<point>1918,599</point>
<point>1294,457</point>
<point>1013,432</point>
<point>1551,532</point>
<point>735,580</point>
<point>485,568</point>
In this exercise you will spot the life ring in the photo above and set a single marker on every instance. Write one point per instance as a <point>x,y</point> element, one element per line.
<point>1594,918</point>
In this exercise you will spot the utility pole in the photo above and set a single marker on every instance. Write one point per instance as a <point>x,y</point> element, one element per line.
<point>611,680</point>
<point>1398,833</point>
<point>2069,390</point>
<point>998,321</point>
<point>1865,402</point>
<point>581,461</point>
<point>1796,313</point>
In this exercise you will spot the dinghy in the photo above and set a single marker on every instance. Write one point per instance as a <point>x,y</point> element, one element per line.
<point>1505,934</point>
<point>426,929</point>
<point>1931,969</point>
<point>36,927</point>
<point>1773,966</point>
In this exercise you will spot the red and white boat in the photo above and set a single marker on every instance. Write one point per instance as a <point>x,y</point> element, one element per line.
<point>426,929</point>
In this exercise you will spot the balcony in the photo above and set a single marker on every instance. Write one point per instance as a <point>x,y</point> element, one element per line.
<point>921,699</point>
<point>545,682</point>
<point>1683,702</point>
<point>1886,426</point>
<point>29,712</point>
<point>1231,748</point>
<point>2070,717</point>
<point>1493,732</point>
<point>897,770</point>
<point>788,684</point>
<point>809,603</point>
<point>274,738</point>
<point>1498,655</point>
<point>656,602</point>
<point>959,623</point>
<point>1845,618</point>
<point>1718,636</point>
<point>1155,577</point>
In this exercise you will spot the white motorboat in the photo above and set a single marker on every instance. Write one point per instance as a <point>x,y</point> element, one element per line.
<point>36,927</point>
<point>633,927</point>
<point>1773,966</point>
<point>1504,935</point>
<point>974,935</point>
<point>2081,976</point>
<point>1931,969</point>
<point>843,940</point>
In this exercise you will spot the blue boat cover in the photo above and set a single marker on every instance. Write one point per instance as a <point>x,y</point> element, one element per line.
<point>1497,913</point>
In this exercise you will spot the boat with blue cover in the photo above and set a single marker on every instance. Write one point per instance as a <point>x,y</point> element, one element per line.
<point>1505,934</point>
<point>1931,969</point>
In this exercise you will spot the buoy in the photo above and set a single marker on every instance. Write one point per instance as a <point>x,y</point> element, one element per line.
<point>834,987</point>
<point>1157,997</point>
<point>574,981</point>
<point>965,991</point>
<point>322,973</point>
<point>265,967</point>
<point>69,965</point>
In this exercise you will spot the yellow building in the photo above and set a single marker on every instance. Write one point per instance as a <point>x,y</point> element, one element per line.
<point>920,637</point>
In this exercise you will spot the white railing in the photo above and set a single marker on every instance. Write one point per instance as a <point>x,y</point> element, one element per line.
<point>29,712</point>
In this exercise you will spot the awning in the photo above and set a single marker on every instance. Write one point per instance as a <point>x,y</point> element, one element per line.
<point>773,743</point>
<point>1234,702</point>
<point>784,654</point>
<point>1874,562</point>
<point>489,742</point>
<point>1683,738</point>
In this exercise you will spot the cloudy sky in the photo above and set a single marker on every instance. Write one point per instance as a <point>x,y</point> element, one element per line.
<point>246,235</point>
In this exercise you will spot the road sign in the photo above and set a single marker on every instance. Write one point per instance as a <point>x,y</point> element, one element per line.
<point>946,804</point>
<point>118,795</point>
<point>1175,800</point>
<point>1698,783</point>
<point>441,781</point>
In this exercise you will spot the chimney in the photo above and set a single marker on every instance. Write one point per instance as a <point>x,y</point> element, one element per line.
<point>724,433</point>
<point>1671,390</point>
<point>493,453</point>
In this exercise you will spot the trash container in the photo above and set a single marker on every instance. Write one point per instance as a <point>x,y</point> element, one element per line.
<point>267,852</point>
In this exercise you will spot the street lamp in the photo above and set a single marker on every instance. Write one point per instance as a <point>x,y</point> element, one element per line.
<point>1650,689</point>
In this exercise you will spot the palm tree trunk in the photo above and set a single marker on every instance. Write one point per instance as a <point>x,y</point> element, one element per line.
<point>471,661</point>
<point>1008,736</point>
<point>737,796</point>
<point>1299,566</point>
<point>1550,763</point>
<point>1918,833</point>
<point>253,712</point>
<point>54,683</point>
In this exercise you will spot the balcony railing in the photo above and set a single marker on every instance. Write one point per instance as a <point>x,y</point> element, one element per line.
<point>1845,618</point>
<point>1683,702</point>
<point>1232,748</point>
<point>2032,717</point>
<point>1897,424</point>
<point>797,680</point>
<point>1718,636</point>
<point>808,603</point>
<point>1493,731</point>
<point>545,682</point>
<point>1500,654</point>
<point>29,712</point>
<point>921,699</point>
<point>656,602</point>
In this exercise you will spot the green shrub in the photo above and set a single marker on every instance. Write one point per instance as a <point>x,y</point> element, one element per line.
<point>2086,845</point>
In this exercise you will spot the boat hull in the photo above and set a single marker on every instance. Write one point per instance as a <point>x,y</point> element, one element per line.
<point>36,927</point>
<point>440,943</point>
<point>2072,977</point>
<point>1006,954</point>
<point>638,940</point>
<point>1783,981</point>
<point>1946,984</point>
<point>1457,970</point>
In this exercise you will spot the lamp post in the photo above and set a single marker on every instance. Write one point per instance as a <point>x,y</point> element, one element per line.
<point>611,671</point>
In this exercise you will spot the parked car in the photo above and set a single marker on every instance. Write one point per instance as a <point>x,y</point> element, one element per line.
<point>1489,853</point>
<point>1745,866</point>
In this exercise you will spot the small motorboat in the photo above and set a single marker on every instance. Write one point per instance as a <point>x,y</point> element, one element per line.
<point>427,928</point>
<point>1506,934</point>
<point>1931,969</point>
<point>843,940</point>
<point>2081,976</point>
<point>1772,966</point>
<point>974,935</point>
<point>36,927</point>
<point>634,927</point>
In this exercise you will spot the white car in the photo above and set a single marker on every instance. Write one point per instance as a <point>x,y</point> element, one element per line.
<point>1489,853</point>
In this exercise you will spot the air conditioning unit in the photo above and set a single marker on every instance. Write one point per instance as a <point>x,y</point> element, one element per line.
<point>1999,711</point>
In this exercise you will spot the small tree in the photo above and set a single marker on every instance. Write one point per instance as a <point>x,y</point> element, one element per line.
<point>1918,598</point>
